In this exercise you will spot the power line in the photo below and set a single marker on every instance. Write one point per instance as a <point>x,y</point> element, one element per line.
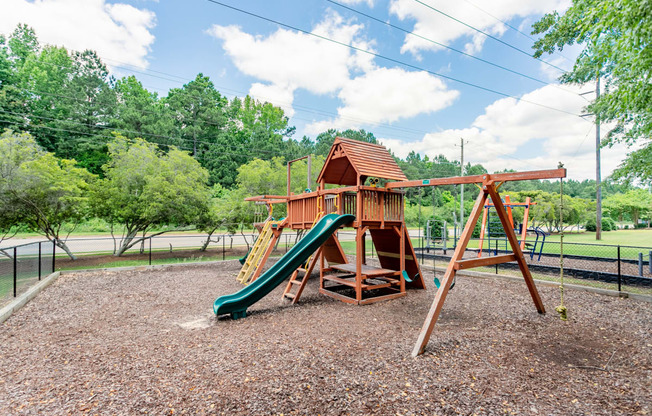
<point>396,61</point>
<point>488,35</point>
<point>176,139</point>
<point>295,106</point>
<point>386,23</point>
<point>511,27</point>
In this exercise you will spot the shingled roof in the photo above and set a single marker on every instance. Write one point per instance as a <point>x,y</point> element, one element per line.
<point>350,159</point>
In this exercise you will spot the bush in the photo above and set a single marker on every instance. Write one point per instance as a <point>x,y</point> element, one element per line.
<point>640,225</point>
<point>608,224</point>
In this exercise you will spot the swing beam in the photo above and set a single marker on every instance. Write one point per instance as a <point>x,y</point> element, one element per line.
<point>489,190</point>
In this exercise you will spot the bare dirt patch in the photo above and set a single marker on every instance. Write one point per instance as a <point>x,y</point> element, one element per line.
<point>146,342</point>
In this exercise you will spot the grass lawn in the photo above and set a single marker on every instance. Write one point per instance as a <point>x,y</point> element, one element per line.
<point>642,237</point>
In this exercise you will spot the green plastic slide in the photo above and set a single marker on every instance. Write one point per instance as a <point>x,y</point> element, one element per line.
<point>237,303</point>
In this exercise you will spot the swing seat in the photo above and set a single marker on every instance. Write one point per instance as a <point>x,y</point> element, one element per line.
<point>438,283</point>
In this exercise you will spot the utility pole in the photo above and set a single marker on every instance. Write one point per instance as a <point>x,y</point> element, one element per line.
<point>598,179</point>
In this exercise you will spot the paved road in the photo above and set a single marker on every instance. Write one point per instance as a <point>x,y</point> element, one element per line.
<point>105,244</point>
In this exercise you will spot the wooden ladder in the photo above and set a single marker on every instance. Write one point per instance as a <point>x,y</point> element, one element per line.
<point>300,282</point>
<point>256,255</point>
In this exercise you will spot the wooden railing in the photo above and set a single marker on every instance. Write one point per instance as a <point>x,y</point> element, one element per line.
<point>302,212</point>
<point>348,203</point>
<point>393,206</point>
<point>377,206</point>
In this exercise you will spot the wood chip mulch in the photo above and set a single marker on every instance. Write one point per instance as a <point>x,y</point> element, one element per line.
<point>147,342</point>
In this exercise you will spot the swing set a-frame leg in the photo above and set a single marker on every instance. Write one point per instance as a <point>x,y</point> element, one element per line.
<point>440,297</point>
<point>488,190</point>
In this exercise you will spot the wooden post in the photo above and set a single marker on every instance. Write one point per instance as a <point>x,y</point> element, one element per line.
<point>358,243</point>
<point>526,217</point>
<point>440,297</point>
<point>402,255</point>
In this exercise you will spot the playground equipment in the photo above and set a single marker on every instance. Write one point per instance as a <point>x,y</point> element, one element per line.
<point>434,241</point>
<point>493,230</point>
<point>377,210</point>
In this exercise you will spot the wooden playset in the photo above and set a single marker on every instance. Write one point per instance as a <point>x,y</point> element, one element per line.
<point>379,211</point>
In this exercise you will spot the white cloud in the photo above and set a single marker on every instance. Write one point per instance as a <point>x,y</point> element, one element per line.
<point>435,26</point>
<point>385,95</point>
<point>288,61</point>
<point>518,135</point>
<point>281,95</point>
<point>296,59</point>
<point>116,31</point>
<point>370,3</point>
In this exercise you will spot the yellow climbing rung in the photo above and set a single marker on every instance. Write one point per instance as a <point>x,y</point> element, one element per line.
<point>257,252</point>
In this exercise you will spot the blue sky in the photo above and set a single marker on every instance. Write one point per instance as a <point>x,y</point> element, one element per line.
<point>321,84</point>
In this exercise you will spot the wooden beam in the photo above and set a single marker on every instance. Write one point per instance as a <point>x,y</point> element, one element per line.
<point>440,297</point>
<point>502,177</point>
<point>484,261</point>
<point>513,241</point>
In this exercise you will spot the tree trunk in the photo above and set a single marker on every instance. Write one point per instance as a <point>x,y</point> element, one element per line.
<point>126,243</point>
<point>62,245</point>
<point>208,240</point>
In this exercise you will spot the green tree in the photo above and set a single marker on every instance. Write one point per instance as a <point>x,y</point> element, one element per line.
<point>616,40</point>
<point>198,111</point>
<point>325,140</point>
<point>546,210</point>
<point>14,52</point>
<point>88,107</point>
<point>15,149</point>
<point>44,78</point>
<point>636,203</point>
<point>140,113</point>
<point>46,192</point>
<point>145,188</point>
<point>226,209</point>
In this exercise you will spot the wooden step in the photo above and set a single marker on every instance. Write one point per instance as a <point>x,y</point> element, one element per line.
<point>296,282</point>
<point>289,295</point>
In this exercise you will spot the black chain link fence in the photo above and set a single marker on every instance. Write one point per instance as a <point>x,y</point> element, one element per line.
<point>609,266</point>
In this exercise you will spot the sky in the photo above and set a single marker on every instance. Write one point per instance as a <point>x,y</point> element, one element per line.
<point>421,75</point>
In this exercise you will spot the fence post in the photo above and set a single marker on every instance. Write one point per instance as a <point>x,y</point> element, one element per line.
<point>223,238</point>
<point>496,253</point>
<point>640,264</point>
<point>649,261</point>
<point>15,269</point>
<point>619,275</point>
<point>150,250</point>
<point>39,260</point>
<point>54,249</point>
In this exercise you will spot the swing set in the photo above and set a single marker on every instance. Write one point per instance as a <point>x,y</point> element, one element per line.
<point>492,228</point>
<point>377,210</point>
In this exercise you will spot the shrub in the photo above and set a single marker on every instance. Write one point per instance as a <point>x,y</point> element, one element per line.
<point>608,224</point>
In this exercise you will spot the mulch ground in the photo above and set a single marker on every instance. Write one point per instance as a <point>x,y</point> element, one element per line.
<point>146,342</point>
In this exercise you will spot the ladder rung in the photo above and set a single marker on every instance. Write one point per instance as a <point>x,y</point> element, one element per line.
<point>289,295</point>
<point>295,282</point>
